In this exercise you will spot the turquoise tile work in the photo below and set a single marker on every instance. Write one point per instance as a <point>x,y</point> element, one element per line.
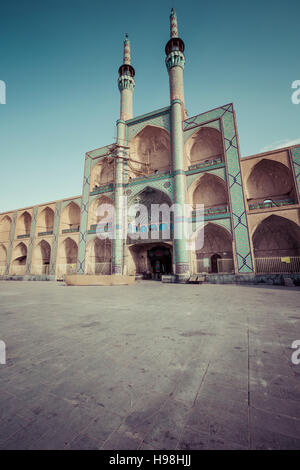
<point>296,162</point>
<point>31,240</point>
<point>216,124</point>
<point>239,219</point>
<point>76,200</point>
<point>161,119</point>
<point>162,184</point>
<point>84,216</point>
<point>219,118</point>
<point>55,237</point>
<point>193,177</point>
<point>11,240</point>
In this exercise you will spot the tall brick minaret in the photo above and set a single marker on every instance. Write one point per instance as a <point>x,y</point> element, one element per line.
<point>175,61</point>
<point>126,86</point>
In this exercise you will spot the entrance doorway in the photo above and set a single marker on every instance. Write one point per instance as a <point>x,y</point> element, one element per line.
<point>214,262</point>
<point>160,261</point>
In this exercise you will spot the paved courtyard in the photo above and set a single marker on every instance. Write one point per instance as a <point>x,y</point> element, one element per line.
<point>149,366</point>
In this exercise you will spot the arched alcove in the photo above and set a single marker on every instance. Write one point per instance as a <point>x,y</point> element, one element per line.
<point>5,227</point>
<point>107,211</point>
<point>102,173</point>
<point>216,254</point>
<point>67,258</point>
<point>204,144</point>
<point>270,181</point>
<point>19,259</point>
<point>70,218</point>
<point>210,191</point>
<point>23,226</point>
<point>41,258</point>
<point>98,256</point>
<point>3,258</point>
<point>143,220</point>
<point>149,152</point>
<point>276,236</point>
<point>45,221</point>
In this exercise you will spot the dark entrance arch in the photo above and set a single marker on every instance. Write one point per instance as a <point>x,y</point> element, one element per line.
<point>160,261</point>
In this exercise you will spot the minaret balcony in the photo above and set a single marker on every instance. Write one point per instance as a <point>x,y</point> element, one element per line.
<point>175,58</point>
<point>126,81</point>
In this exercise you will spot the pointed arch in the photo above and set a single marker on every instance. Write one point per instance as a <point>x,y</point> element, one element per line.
<point>45,220</point>
<point>142,221</point>
<point>5,227</point>
<point>150,152</point>
<point>216,254</point>
<point>276,236</point>
<point>67,257</point>
<point>19,259</point>
<point>70,218</point>
<point>102,173</point>
<point>70,251</point>
<point>205,144</point>
<point>23,226</point>
<point>270,180</point>
<point>108,208</point>
<point>99,256</point>
<point>41,257</point>
<point>209,190</point>
<point>3,257</point>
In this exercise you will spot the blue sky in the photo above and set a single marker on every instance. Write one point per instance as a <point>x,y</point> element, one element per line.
<point>60,59</point>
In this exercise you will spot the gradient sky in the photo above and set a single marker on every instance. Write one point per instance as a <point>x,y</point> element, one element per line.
<point>60,59</point>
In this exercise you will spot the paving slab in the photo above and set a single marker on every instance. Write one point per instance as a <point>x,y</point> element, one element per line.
<point>149,366</point>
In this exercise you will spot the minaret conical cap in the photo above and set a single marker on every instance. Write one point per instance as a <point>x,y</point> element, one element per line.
<point>173,24</point>
<point>126,59</point>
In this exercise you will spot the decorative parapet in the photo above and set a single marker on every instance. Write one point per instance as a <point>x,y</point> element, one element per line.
<point>25,235</point>
<point>126,82</point>
<point>175,58</point>
<point>206,163</point>
<point>266,204</point>
<point>43,234</point>
<point>102,189</point>
<point>70,230</point>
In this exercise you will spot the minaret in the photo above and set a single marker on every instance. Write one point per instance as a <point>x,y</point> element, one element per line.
<point>175,63</point>
<point>126,85</point>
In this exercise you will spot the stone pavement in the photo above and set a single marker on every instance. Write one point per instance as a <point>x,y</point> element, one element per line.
<point>149,366</point>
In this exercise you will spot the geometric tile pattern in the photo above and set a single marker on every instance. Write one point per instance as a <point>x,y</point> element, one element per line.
<point>161,120</point>
<point>192,177</point>
<point>239,224</point>
<point>84,216</point>
<point>11,240</point>
<point>155,184</point>
<point>239,218</point>
<point>55,237</point>
<point>31,240</point>
<point>296,162</point>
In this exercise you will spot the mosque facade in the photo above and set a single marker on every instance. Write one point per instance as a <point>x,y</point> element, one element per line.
<point>251,204</point>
